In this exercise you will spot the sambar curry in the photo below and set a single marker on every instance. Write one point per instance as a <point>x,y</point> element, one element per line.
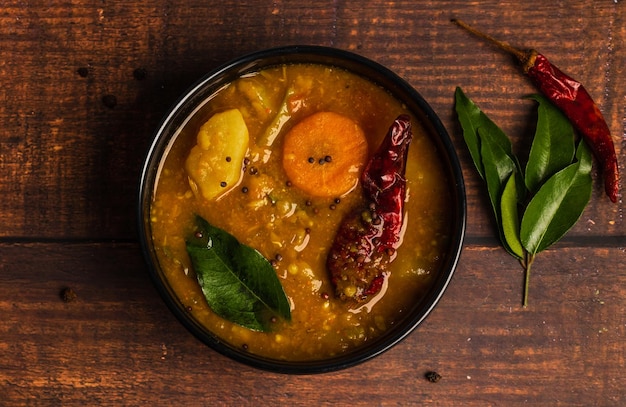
<point>266,178</point>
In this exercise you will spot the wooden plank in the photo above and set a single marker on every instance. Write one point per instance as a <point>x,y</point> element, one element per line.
<point>69,164</point>
<point>118,344</point>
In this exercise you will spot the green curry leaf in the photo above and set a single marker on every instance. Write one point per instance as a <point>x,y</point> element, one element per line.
<point>498,166</point>
<point>472,119</point>
<point>239,284</point>
<point>510,217</point>
<point>553,146</point>
<point>558,204</point>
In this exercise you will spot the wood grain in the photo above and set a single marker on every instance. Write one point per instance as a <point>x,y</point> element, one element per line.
<point>84,85</point>
<point>70,164</point>
<point>117,344</point>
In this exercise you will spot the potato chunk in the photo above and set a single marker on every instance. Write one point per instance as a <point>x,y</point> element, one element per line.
<point>214,165</point>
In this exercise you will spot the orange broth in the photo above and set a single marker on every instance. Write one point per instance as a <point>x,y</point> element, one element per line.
<point>265,211</point>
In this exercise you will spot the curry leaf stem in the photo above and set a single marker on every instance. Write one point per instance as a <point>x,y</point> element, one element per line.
<point>528,261</point>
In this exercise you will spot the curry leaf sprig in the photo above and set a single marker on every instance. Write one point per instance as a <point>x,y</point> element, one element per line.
<point>534,206</point>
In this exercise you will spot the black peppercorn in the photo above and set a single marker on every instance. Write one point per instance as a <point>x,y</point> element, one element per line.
<point>433,377</point>
<point>140,74</point>
<point>68,295</point>
<point>109,101</point>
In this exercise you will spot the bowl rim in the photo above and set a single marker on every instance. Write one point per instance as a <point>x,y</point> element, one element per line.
<point>293,54</point>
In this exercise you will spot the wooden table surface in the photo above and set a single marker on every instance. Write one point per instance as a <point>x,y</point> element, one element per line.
<point>83,86</point>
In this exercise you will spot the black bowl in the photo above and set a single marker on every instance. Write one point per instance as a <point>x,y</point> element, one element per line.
<point>189,103</point>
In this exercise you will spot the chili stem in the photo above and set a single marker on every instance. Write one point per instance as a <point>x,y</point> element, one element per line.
<point>520,54</point>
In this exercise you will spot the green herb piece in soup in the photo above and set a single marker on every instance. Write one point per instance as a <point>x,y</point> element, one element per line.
<point>239,284</point>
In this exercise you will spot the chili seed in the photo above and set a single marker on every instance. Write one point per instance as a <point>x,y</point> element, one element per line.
<point>223,184</point>
<point>328,158</point>
<point>366,217</point>
<point>311,160</point>
<point>244,190</point>
<point>228,159</point>
<point>321,161</point>
<point>337,200</point>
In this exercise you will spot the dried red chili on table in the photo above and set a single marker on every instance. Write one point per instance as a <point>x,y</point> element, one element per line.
<point>574,101</point>
<point>368,238</point>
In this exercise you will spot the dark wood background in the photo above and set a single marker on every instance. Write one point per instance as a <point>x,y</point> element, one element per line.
<point>83,85</point>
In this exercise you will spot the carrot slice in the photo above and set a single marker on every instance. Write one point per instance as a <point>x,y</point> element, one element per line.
<point>324,154</point>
